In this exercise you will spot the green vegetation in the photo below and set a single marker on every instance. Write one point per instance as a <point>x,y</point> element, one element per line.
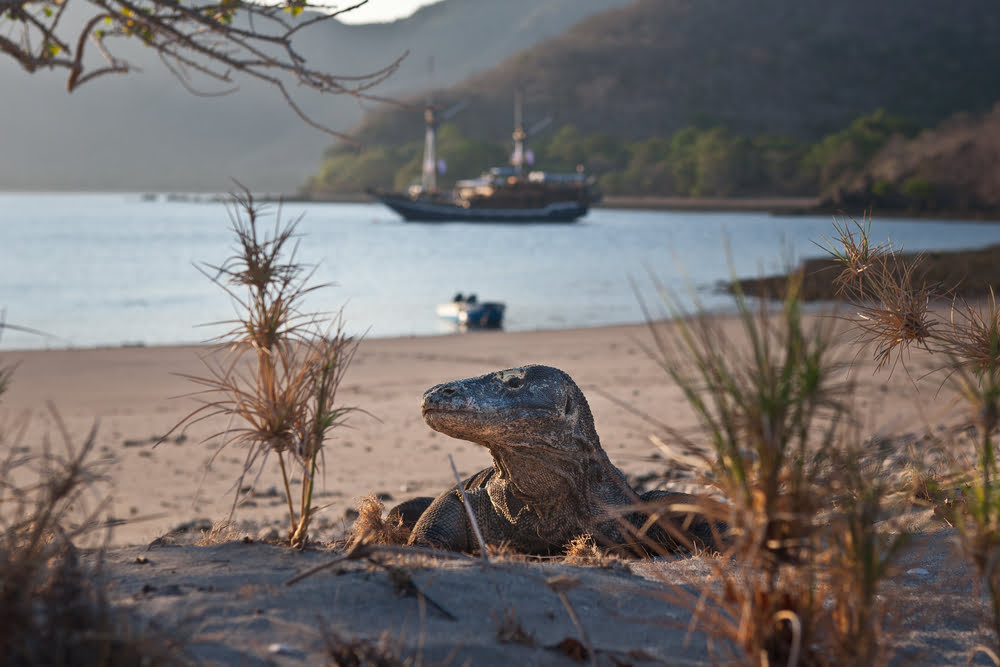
<point>918,189</point>
<point>710,161</point>
<point>839,156</point>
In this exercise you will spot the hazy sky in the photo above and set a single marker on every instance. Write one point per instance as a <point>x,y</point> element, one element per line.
<point>379,11</point>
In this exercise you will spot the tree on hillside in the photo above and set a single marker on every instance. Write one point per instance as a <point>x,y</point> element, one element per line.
<point>839,156</point>
<point>212,41</point>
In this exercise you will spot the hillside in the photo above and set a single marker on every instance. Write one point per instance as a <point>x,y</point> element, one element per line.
<point>801,68</point>
<point>954,167</point>
<point>146,132</point>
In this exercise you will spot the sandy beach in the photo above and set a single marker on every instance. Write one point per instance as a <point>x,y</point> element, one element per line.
<point>230,598</point>
<point>136,395</point>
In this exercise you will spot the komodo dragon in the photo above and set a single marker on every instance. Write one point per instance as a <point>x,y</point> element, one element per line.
<point>551,480</point>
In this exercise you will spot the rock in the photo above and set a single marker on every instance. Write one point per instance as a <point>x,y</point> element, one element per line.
<point>268,534</point>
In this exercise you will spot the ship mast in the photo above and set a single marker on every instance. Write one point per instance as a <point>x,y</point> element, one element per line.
<point>428,178</point>
<point>517,158</point>
<point>428,175</point>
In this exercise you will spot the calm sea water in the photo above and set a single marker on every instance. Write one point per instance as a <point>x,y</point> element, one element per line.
<point>106,269</point>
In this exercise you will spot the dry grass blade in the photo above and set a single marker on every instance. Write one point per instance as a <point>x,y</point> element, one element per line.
<point>891,298</point>
<point>356,652</point>
<point>484,552</point>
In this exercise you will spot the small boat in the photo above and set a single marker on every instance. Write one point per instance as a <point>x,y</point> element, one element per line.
<point>502,194</point>
<point>470,312</point>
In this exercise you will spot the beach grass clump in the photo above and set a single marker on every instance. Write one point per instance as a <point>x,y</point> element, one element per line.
<point>803,556</point>
<point>373,527</point>
<point>967,339</point>
<point>54,609</point>
<point>277,371</point>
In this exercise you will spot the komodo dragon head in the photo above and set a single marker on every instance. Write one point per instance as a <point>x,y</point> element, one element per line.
<point>530,406</point>
<point>538,427</point>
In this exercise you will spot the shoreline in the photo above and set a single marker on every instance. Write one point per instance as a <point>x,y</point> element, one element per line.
<point>208,345</point>
<point>772,205</point>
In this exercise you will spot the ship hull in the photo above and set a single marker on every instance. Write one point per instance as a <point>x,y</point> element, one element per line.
<point>424,210</point>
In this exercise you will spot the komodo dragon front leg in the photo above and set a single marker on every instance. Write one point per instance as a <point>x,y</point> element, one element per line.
<point>445,524</point>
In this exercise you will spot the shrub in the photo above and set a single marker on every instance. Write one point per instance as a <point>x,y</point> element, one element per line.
<point>918,189</point>
<point>278,370</point>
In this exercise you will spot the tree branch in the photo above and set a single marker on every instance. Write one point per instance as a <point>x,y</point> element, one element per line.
<point>217,40</point>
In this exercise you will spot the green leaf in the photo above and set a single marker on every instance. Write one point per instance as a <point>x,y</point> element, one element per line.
<point>52,49</point>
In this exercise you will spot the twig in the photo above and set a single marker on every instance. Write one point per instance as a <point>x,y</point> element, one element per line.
<point>468,510</point>
<point>796,623</point>
<point>360,550</point>
<point>980,648</point>
<point>559,586</point>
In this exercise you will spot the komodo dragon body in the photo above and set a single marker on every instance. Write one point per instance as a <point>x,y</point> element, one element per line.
<point>551,480</point>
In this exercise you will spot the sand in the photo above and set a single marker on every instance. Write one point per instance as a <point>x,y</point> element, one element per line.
<point>231,597</point>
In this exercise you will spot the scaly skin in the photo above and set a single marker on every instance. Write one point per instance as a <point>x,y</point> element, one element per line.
<point>551,480</point>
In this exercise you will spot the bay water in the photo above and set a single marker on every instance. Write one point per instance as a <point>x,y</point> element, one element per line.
<point>122,269</point>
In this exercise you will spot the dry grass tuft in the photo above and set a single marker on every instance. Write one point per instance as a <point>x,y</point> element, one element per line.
<point>803,556</point>
<point>975,335</point>
<point>892,310</point>
<point>372,528</point>
<point>53,609</point>
<point>969,341</point>
<point>222,531</point>
<point>278,370</point>
<point>583,550</point>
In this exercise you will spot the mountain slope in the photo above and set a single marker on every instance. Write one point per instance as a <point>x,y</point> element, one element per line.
<point>146,132</point>
<point>795,67</point>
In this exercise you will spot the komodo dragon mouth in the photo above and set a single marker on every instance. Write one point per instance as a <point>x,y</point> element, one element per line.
<point>523,410</point>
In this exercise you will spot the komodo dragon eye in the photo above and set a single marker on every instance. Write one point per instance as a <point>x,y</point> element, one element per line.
<point>512,379</point>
